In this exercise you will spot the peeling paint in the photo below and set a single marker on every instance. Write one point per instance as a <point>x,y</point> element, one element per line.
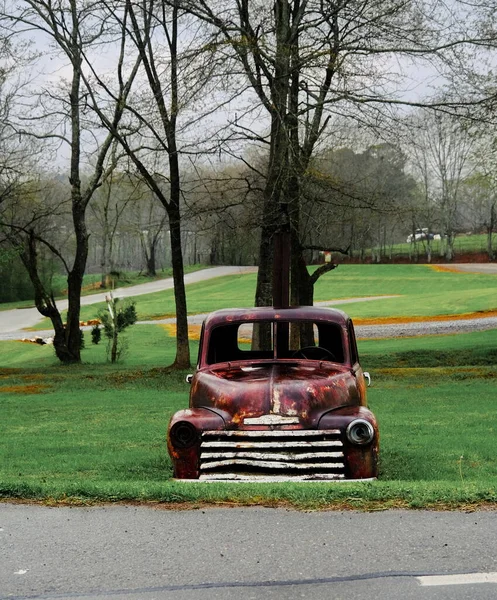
<point>273,412</point>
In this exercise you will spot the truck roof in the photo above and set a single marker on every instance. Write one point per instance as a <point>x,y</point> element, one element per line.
<point>269,313</point>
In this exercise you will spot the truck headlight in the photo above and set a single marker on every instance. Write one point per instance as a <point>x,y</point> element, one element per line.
<point>360,432</point>
<point>183,434</point>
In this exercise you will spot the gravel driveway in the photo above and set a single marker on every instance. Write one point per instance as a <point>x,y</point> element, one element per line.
<point>485,268</point>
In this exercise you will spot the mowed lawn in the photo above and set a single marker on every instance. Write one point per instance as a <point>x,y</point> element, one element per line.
<point>419,290</point>
<point>96,432</point>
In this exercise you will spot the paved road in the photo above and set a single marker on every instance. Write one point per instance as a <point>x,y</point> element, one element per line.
<point>12,321</point>
<point>140,553</point>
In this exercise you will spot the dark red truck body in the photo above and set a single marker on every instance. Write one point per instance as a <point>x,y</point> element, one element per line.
<point>284,412</point>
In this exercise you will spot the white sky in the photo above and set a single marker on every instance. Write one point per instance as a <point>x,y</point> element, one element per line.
<point>409,81</point>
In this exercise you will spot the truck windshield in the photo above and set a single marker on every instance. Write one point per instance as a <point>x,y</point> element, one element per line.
<point>310,340</point>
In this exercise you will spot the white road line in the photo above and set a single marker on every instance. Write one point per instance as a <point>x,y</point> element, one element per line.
<point>468,578</point>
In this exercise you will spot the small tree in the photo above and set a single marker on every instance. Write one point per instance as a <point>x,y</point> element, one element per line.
<point>115,321</point>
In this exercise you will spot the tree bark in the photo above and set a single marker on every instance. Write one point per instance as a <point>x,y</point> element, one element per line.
<point>276,181</point>
<point>182,360</point>
<point>44,302</point>
<point>490,230</point>
<point>151,261</point>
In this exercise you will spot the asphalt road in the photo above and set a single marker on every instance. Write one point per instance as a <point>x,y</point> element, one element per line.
<point>13,321</point>
<point>141,553</point>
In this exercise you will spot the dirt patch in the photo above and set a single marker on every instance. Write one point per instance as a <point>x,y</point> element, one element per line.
<point>34,377</point>
<point>453,372</point>
<point>26,390</point>
<point>445,269</point>
<point>5,372</point>
<point>359,505</point>
<point>474,268</point>
<point>193,330</point>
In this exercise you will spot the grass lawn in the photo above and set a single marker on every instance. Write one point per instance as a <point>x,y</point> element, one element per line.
<point>421,291</point>
<point>97,432</point>
<point>462,244</point>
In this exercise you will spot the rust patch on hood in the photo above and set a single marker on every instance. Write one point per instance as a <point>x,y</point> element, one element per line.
<point>280,389</point>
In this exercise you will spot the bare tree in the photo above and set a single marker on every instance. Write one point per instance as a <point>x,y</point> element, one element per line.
<point>480,188</point>
<point>14,152</point>
<point>110,206</point>
<point>19,159</point>
<point>73,28</point>
<point>307,60</point>
<point>152,224</point>
<point>443,149</point>
<point>157,135</point>
<point>222,207</point>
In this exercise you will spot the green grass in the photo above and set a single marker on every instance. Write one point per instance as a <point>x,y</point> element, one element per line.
<point>438,426</point>
<point>435,351</point>
<point>97,431</point>
<point>462,244</point>
<point>149,346</point>
<point>422,291</point>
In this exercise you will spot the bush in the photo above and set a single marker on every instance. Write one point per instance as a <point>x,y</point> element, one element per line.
<point>115,320</point>
<point>96,335</point>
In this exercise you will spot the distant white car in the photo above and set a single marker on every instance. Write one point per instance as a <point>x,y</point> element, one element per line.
<point>420,234</point>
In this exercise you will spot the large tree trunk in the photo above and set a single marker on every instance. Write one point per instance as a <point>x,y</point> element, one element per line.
<point>75,276</point>
<point>72,330</point>
<point>261,336</point>
<point>45,303</point>
<point>278,155</point>
<point>271,215</point>
<point>182,360</point>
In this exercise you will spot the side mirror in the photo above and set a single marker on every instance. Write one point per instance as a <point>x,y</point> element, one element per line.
<point>189,378</point>
<point>367,376</point>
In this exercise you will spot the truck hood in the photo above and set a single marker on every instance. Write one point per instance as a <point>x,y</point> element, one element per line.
<point>299,391</point>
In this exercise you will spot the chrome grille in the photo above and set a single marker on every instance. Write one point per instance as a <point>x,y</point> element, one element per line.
<point>271,455</point>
